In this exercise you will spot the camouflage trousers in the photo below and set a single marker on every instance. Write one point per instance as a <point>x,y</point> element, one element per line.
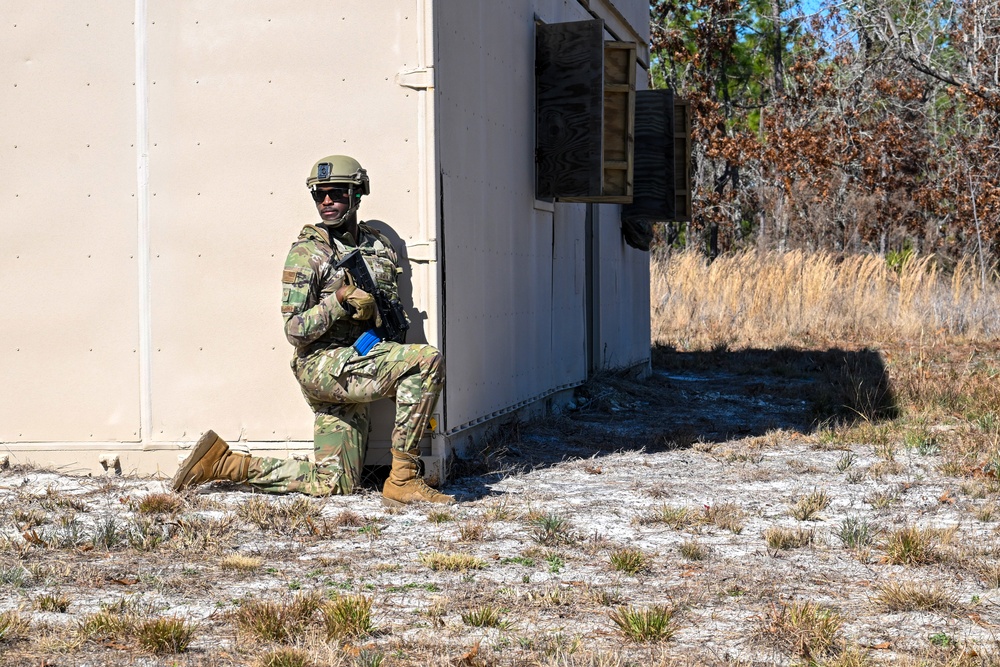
<point>339,384</point>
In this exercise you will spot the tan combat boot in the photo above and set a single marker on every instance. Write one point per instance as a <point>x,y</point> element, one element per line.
<point>211,460</point>
<point>404,486</point>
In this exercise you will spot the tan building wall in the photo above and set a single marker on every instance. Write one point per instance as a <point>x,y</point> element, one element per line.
<point>517,276</point>
<point>153,157</point>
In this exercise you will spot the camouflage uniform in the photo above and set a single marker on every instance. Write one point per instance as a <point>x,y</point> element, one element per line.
<point>336,381</point>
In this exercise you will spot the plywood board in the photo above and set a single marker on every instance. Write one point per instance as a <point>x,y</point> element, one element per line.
<point>569,65</point>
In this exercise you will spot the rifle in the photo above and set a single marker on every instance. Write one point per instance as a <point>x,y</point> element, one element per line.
<point>390,310</point>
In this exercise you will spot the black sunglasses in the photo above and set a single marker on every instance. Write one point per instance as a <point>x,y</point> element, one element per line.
<point>335,194</point>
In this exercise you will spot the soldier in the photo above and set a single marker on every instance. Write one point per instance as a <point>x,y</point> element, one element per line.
<point>340,362</point>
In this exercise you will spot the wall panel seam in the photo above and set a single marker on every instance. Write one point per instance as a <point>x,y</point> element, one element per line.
<point>142,222</point>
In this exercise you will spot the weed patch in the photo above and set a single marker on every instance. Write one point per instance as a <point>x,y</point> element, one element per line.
<point>348,616</point>
<point>485,616</point>
<point>856,533</point>
<point>281,621</point>
<point>13,626</point>
<point>164,635</point>
<point>911,546</point>
<point>629,561</point>
<point>452,562</point>
<point>648,624</point>
<point>778,537</point>
<point>284,656</point>
<point>160,503</point>
<point>808,507</point>
<point>553,530</point>
<point>804,628</point>
<point>912,596</point>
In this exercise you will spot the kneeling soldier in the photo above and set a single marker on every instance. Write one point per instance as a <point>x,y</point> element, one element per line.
<point>342,360</point>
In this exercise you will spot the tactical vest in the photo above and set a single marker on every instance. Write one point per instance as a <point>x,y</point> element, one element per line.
<point>380,257</point>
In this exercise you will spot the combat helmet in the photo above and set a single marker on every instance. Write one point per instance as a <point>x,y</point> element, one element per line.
<point>339,169</point>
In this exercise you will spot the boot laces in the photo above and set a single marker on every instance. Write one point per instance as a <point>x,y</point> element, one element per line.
<point>422,486</point>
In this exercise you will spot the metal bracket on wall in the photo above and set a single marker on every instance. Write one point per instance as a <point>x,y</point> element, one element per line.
<point>420,78</point>
<point>422,251</point>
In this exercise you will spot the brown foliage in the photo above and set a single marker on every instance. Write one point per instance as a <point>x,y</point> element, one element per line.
<point>869,128</point>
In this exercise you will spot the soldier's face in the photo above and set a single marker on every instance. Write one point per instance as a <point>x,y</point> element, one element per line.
<point>332,202</point>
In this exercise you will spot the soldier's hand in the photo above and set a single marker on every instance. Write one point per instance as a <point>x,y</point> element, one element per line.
<point>358,301</point>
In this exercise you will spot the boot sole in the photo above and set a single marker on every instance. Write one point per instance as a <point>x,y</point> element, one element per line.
<point>388,502</point>
<point>204,444</point>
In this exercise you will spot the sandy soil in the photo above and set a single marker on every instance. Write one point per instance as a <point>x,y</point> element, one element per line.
<point>691,467</point>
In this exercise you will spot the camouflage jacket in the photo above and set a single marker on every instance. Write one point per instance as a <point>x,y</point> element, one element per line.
<point>314,319</point>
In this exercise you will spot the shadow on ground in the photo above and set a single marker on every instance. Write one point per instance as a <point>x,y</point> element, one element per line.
<point>689,397</point>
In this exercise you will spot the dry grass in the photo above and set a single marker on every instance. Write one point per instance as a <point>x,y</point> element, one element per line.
<point>485,616</point>
<point>13,626</point>
<point>160,503</point>
<point>755,299</point>
<point>275,621</point>
<point>348,616</point>
<point>348,519</point>
<point>473,531</point>
<point>778,537</point>
<point>452,562</point>
<point>283,516</point>
<point>628,560</point>
<point>804,628</point>
<point>912,545</point>
<point>648,624</point>
<point>284,656</point>
<point>913,596</point>
<point>164,635</point>
<point>671,515</point>
<point>240,563</point>
<point>726,515</point>
<point>55,602</point>
<point>693,550</point>
<point>808,507</point>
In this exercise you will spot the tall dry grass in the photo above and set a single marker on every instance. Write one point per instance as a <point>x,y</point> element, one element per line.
<point>755,299</point>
